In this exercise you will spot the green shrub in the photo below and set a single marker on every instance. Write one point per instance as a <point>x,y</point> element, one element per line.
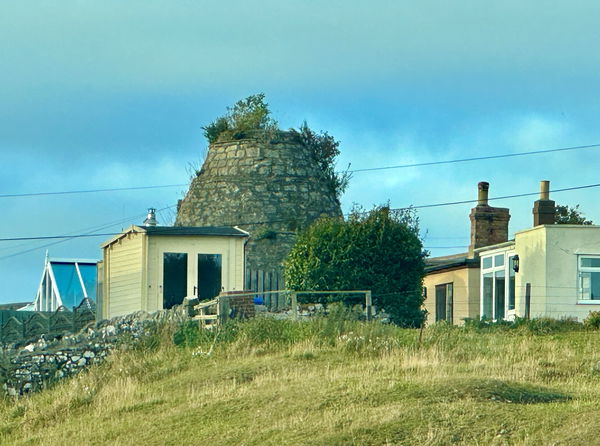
<point>244,117</point>
<point>378,250</point>
<point>188,335</point>
<point>592,320</point>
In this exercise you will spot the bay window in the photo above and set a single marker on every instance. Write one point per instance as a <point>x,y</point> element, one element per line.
<point>497,285</point>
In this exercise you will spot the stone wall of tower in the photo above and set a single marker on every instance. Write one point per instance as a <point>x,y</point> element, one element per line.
<point>270,187</point>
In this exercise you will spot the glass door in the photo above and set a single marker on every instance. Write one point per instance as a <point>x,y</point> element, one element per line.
<point>175,265</point>
<point>209,276</point>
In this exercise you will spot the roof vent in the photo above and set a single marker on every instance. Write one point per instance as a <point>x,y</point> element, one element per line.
<point>151,218</point>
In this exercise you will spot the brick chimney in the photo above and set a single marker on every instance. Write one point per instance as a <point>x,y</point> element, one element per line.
<point>543,209</point>
<point>489,225</point>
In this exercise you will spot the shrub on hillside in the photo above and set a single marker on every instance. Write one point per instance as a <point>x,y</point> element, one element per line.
<point>592,320</point>
<point>378,251</point>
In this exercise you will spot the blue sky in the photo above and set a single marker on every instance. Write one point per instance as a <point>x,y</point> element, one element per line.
<point>114,94</point>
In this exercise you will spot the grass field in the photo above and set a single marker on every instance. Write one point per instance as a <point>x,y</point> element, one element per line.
<point>328,382</point>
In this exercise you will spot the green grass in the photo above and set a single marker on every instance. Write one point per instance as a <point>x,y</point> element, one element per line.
<point>327,382</point>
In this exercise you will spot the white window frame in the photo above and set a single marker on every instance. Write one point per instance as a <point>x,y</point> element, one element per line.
<point>505,267</point>
<point>586,269</point>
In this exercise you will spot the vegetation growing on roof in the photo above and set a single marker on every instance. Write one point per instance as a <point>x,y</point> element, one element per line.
<point>246,116</point>
<point>251,115</point>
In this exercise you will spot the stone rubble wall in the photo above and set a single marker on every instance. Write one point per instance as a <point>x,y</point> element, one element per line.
<point>270,188</point>
<point>31,367</point>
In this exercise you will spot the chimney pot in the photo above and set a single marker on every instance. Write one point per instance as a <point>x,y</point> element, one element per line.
<point>151,218</point>
<point>545,190</point>
<point>543,209</point>
<point>482,195</point>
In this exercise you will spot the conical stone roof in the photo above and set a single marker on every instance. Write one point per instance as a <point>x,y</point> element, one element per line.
<point>270,187</point>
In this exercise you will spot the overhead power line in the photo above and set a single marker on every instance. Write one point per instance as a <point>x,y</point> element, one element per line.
<point>50,237</point>
<point>369,169</point>
<point>90,191</point>
<point>449,203</point>
<point>478,158</point>
<point>89,232</point>
<point>528,194</point>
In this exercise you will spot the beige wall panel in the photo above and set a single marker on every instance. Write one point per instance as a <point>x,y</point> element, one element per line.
<point>466,293</point>
<point>229,247</point>
<point>124,276</point>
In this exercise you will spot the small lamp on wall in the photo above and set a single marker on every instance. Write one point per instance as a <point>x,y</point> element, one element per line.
<point>515,264</point>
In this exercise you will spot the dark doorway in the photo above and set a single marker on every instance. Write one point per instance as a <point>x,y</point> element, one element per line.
<point>174,278</point>
<point>209,276</point>
<point>444,302</point>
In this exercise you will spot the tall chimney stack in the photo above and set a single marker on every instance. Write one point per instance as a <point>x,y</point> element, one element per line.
<point>544,209</point>
<point>489,225</point>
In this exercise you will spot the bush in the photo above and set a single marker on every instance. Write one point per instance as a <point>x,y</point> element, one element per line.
<point>245,116</point>
<point>252,117</point>
<point>378,251</point>
<point>592,320</point>
<point>324,149</point>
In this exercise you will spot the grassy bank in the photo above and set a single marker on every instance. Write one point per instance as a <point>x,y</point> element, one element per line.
<point>327,382</point>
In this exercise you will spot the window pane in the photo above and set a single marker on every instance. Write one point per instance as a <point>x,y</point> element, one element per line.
<point>499,260</point>
<point>499,301</point>
<point>440,302</point>
<point>487,262</point>
<point>585,285</point>
<point>209,276</point>
<point>511,284</point>
<point>590,262</point>
<point>89,273</point>
<point>174,278</point>
<point>595,286</point>
<point>449,302</point>
<point>67,282</point>
<point>486,311</point>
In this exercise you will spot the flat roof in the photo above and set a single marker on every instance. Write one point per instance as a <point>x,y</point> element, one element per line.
<point>207,231</point>
<point>450,262</point>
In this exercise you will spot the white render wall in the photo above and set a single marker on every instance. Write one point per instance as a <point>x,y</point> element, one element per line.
<point>549,262</point>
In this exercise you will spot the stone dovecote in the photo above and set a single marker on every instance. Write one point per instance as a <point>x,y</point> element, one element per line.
<point>269,187</point>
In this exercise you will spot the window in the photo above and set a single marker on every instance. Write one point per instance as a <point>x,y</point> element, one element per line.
<point>497,285</point>
<point>444,296</point>
<point>209,276</point>
<point>589,278</point>
<point>175,266</point>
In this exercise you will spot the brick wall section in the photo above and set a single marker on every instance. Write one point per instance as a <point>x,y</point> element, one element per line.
<point>269,187</point>
<point>489,226</point>
<point>240,306</point>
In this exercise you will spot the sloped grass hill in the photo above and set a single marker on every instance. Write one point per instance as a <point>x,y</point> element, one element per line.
<point>327,382</point>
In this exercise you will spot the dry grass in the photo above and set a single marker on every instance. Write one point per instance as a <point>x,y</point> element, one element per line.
<point>274,383</point>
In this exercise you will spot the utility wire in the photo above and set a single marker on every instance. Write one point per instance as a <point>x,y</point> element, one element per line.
<point>87,234</point>
<point>478,158</point>
<point>400,166</point>
<point>450,203</point>
<point>89,191</point>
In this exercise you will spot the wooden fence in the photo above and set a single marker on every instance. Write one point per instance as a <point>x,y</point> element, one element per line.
<point>263,283</point>
<point>24,326</point>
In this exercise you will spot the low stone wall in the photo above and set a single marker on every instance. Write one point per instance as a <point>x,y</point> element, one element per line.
<point>27,368</point>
